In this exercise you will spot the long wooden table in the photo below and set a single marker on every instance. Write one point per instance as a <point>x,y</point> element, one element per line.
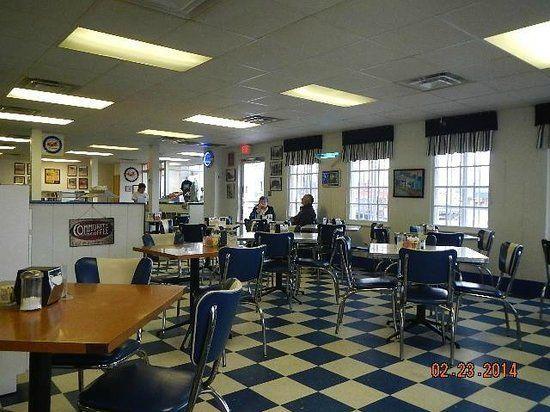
<point>97,320</point>
<point>192,252</point>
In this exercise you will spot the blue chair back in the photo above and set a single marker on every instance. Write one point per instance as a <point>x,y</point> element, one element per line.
<point>244,264</point>
<point>381,235</point>
<point>86,271</point>
<point>214,316</point>
<point>509,257</point>
<point>325,234</point>
<point>148,240</point>
<point>485,238</point>
<point>448,238</point>
<point>193,233</point>
<point>431,240</point>
<point>341,257</point>
<point>427,267</point>
<point>278,245</point>
<point>416,229</point>
<point>181,220</point>
<point>373,226</point>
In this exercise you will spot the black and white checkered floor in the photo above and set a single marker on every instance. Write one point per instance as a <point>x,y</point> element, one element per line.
<point>309,368</point>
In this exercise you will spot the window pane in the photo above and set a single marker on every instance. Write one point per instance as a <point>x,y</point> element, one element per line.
<point>368,196</point>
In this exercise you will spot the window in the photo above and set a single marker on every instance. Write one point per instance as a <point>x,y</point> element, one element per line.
<point>302,179</point>
<point>461,190</point>
<point>172,174</point>
<point>368,191</point>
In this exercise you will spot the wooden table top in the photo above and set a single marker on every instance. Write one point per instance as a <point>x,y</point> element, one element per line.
<point>298,237</point>
<point>98,319</point>
<point>391,251</point>
<point>181,252</point>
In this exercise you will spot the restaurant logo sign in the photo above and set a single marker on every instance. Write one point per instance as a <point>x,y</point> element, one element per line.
<point>91,232</point>
<point>52,145</point>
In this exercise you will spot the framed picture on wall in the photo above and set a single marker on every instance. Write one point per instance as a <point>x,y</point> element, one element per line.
<point>19,169</point>
<point>276,168</point>
<point>82,183</point>
<point>83,171</point>
<point>230,174</point>
<point>330,178</point>
<point>52,176</point>
<point>276,184</point>
<point>230,159</point>
<point>28,169</point>
<point>28,180</point>
<point>19,180</point>
<point>408,183</point>
<point>71,183</point>
<point>276,152</point>
<point>128,189</point>
<point>72,170</point>
<point>231,190</point>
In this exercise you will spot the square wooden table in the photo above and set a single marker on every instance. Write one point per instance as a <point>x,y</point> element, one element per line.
<point>97,320</point>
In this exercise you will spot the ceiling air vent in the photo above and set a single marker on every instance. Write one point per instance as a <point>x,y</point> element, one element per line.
<point>18,110</point>
<point>434,81</point>
<point>259,119</point>
<point>47,85</point>
<point>180,8</point>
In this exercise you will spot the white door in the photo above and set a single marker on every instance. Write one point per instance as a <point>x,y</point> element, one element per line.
<point>253,186</point>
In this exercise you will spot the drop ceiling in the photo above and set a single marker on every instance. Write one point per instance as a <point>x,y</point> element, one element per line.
<point>261,48</point>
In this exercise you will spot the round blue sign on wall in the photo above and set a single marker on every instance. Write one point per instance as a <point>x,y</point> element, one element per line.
<point>208,158</point>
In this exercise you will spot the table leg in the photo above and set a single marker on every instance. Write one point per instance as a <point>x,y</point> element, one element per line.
<point>40,381</point>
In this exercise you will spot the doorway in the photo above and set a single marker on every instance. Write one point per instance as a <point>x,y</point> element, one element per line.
<point>253,186</point>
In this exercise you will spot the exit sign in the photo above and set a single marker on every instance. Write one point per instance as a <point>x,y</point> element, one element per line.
<point>246,149</point>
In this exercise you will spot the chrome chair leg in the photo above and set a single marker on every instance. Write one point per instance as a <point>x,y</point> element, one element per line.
<point>218,399</point>
<point>452,321</point>
<point>394,308</point>
<point>401,332</point>
<point>542,295</point>
<point>262,320</point>
<point>518,325</point>
<point>341,309</point>
<point>224,359</point>
<point>80,380</point>
<point>164,320</point>
<point>506,317</point>
<point>143,356</point>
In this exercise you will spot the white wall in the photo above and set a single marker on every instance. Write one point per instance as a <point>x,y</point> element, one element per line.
<point>50,232</point>
<point>127,196</point>
<point>518,185</point>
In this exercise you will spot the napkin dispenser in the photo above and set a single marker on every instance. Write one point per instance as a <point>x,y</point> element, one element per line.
<point>52,284</point>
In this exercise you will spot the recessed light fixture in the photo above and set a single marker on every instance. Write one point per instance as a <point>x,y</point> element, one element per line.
<point>47,159</point>
<point>220,121</point>
<point>108,147</point>
<point>117,47</point>
<point>529,44</point>
<point>58,98</point>
<point>192,154</point>
<point>166,133</point>
<point>86,153</point>
<point>18,117</point>
<point>172,159</point>
<point>7,147</point>
<point>14,139</point>
<point>327,95</point>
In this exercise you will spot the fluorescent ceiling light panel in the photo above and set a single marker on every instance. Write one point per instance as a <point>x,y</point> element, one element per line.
<point>327,95</point>
<point>108,147</point>
<point>18,117</point>
<point>7,147</point>
<point>14,139</point>
<point>191,154</point>
<point>86,153</point>
<point>166,133</point>
<point>117,47</point>
<point>47,159</point>
<point>530,44</point>
<point>172,159</point>
<point>58,98</point>
<point>220,121</point>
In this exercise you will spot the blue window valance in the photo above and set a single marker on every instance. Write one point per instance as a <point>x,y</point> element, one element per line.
<point>368,144</point>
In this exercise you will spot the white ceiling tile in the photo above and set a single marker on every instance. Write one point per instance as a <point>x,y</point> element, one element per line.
<point>60,74</point>
<point>240,93</point>
<point>470,53</point>
<point>388,91</point>
<point>353,82</point>
<point>266,54</point>
<point>402,69</point>
<point>490,101</point>
<point>32,28</point>
<point>436,7</point>
<point>417,100</point>
<point>227,69</point>
<point>308,6</point>
<point>534,95</point>
<point>464,91</point>
<point>519,81</point>
<point>369,18</point>
<point>63,10</point>
<point>495,68</point>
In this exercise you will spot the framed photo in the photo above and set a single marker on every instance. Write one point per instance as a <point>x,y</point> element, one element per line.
<point>230,159</point>
<point>83,171</point>
<point>19,180</point>
<point>330,178</point>
<point>276,152</point>
<point>276,184</point>
<point>28,169</point>
<point>19,169</point>
<point>28,180</point>
<point>71,183</point>
<point>408,183</point>
<point>128,189</point>
<point>72,170</point>
<point>82,183</point>
<point>52,176</point>
<point>134,188</point>
<point>231,174</point>
<point>276,168</point>
<point>230,190</point>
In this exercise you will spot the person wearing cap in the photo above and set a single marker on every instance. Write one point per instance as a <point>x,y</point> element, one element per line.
<point>262,209</point>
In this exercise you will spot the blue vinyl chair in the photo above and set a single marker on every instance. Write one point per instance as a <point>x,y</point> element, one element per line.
<point>423,273</point>
<point>280,257</point>
<point>193,232</point>
<point>508,262</point>
<point>136,386</point>
<point>87,271</point>
<point>448,238</point>
<point>384,283</point>
<point>546,250</point>
<point>245,264</point>
<point>485,238</point>
<point>321,255</point>
<point>431,240</point>
<point>381,235</point>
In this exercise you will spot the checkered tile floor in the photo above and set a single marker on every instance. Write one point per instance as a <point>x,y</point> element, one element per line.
<point>309,368</point>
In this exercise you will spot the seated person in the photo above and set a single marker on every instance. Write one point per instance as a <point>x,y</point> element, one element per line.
<point>306,215</point>
<point>262,209</point>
